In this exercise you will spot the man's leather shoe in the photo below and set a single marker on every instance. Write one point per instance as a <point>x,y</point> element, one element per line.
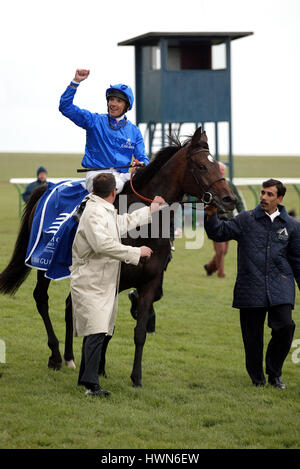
<point>276,382</point>
<point>260,384</point>
<point>96,390</point>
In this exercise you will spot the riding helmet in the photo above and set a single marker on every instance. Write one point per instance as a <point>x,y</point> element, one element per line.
<point>121,91</point>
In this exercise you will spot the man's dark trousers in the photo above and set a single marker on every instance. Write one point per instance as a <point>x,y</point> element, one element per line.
<point>90,359</point>
<point>252,325</point>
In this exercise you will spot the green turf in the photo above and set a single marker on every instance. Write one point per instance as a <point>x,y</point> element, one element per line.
<point>196,393</point>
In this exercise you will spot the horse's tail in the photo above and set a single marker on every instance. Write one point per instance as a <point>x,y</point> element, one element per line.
<point>16,272</point>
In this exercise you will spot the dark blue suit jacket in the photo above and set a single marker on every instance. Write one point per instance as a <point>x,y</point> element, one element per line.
<point>268,256</point>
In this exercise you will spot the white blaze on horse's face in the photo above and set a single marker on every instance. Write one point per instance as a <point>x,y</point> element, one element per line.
<point>210,158</point>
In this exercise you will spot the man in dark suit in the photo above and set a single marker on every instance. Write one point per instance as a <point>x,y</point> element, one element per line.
<point>268,262</point>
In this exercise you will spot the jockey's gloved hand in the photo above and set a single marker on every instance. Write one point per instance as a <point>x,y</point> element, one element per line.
<point>138,164</point>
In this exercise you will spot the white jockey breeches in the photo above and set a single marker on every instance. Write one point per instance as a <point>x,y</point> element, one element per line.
<point>121,178</point>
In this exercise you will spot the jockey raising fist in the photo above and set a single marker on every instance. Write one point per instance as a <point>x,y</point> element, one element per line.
<point>112,141</point>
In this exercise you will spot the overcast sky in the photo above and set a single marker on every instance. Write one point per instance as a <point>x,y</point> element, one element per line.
<point>42,44</point>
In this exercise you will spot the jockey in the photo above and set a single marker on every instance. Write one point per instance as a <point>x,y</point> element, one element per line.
<point>111,139</point>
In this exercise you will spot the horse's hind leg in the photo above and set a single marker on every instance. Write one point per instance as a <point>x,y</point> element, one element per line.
<point>41,298</point>
<point>68,354</point>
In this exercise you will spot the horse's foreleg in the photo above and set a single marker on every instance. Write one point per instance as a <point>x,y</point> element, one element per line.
<point>133,296</point>
<point>68,354</point>
<point>41,298</point>
<point>145,299</point>
<point>151,321</point>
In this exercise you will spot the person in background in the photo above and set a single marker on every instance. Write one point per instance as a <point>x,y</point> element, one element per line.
<point>268,260</point>
<point>41,180</point>
<point>111,139</point>
<point>217,263</point>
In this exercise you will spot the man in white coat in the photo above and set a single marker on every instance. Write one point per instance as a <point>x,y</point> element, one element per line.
<point>95,272</point>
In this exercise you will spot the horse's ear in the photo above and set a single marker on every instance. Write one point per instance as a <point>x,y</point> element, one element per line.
<point>204,137</point>
<point>197,136</point>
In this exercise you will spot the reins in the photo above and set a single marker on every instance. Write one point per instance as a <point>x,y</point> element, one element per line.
<point>151,200</point>
<point>146,199</point>
<point>85,170</point>
<point>207,197</point>
<point>136,193</point>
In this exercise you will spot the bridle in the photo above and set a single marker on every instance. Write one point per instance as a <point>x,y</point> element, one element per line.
<point>207,196</point>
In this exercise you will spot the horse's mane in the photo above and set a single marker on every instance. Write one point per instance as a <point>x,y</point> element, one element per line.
<point>144,175</point>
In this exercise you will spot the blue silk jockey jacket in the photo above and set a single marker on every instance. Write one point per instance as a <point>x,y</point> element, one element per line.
<point>108,142</point>
<point>268,256</point>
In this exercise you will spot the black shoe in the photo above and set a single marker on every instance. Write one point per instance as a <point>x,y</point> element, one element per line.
<point>276,382</point>
<point>96,390</point>
<point>133,296</point>
<point>259,384</point>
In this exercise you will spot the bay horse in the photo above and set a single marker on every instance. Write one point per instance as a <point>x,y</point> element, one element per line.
<point>176,170</point>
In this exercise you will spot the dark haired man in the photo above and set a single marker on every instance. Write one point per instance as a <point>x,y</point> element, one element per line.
<point>111,139</point>
<point>41,179</point>
<point>96,258</point>
<point>268,262</point>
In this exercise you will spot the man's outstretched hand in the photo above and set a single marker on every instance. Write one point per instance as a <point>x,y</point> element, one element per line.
<point>157,204</point>
<point>210,210</point>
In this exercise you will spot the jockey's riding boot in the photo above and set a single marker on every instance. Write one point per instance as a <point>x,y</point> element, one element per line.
<point>80,209</point>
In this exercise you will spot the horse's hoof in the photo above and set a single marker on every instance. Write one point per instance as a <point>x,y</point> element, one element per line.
<point>70,364</point>
<point>136,383</point>
<point>54,365</point>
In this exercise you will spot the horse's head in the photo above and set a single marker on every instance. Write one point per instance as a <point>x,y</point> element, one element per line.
<point>202,176</point>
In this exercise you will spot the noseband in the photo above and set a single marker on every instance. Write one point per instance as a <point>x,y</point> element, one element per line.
<point>207,196</point>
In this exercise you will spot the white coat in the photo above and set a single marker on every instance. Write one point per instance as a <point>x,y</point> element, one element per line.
<point>97,253</point>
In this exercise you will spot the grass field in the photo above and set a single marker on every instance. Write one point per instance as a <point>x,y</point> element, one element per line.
<point>196,393</point>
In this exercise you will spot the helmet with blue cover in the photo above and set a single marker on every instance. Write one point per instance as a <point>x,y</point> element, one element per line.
<point>121,91</point>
